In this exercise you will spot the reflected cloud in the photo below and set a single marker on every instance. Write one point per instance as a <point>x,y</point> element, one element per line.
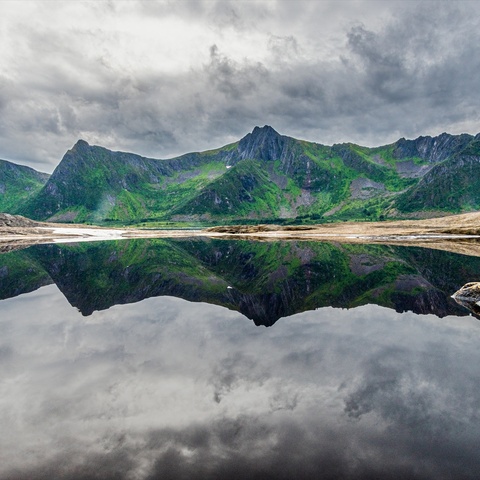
<point>166,388</point>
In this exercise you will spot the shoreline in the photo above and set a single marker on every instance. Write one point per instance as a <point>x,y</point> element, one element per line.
<point>456,233</point>
<point>464,239</point>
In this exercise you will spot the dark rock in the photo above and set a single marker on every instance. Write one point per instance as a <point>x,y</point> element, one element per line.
<point>431,149</point>
<point>263,144</point>
<point>469,297</point>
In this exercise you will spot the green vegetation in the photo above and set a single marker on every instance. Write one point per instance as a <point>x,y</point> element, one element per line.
<point>452,186</point>
<point>17,184</point>
<point>243,190</point>
<point>264,177</point>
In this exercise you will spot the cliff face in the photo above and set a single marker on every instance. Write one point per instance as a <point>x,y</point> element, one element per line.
<point>263,177</point>
<point>262,144</point>
<point>431,149</point>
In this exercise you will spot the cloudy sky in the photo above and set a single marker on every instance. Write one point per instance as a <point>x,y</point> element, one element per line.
<point>161,78</point>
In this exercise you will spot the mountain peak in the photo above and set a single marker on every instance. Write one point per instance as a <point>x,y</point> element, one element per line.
<point>265,130</point>
<point>80,145</point>
<point>264,143</point>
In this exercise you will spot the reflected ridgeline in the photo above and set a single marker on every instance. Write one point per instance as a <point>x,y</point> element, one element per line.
<point>263,280</point>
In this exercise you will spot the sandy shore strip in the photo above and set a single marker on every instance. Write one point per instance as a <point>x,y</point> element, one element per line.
<point>455,243</point>
<point>76,234</point>
<point>456,233</point>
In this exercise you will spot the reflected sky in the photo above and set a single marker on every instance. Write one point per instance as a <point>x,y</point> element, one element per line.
<point>166,388</point>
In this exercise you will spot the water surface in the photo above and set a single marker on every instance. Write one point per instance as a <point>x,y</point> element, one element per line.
<point>140,360</point>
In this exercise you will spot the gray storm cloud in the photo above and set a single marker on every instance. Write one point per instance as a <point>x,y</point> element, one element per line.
<point>161,79</point>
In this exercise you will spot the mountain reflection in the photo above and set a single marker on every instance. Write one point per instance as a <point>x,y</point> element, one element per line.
<point>263,281</point>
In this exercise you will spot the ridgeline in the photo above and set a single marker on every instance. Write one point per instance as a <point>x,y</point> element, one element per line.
<point>263,178</point>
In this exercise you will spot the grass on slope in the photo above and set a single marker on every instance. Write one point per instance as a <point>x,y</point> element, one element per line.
<point>17,184</point>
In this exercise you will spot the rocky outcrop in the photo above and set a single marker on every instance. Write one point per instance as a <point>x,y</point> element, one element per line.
<point>262,144</point>
<point>431,149</point>
<point>267,145</point>
<point>469,297</point>
<point>14,221</point>
<point>470,291</point>
<point>363,188</point>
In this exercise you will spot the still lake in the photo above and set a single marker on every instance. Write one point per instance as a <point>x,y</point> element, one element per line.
<point>149,359</point>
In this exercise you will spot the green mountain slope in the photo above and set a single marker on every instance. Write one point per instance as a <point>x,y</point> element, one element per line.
<point>244,191</point>
<point>95,184</point>
<point>264,177</point>
<point>17,184</point>
<point>452,186</point>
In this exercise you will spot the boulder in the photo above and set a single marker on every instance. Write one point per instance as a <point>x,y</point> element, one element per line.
<point>469,297</point>
<point>470,291</point>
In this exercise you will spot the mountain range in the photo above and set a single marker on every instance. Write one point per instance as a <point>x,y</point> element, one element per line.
<point>264,177</point>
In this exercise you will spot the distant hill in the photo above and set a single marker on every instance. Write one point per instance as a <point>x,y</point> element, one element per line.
<point>264,177</point>
<point>17,184</point>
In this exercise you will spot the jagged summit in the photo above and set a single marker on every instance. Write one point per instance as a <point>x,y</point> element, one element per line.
<point>265,130</point>
<point>262,133</point>
<point>264,143</point>
<point>431,149</point>
<point>81,143</point>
